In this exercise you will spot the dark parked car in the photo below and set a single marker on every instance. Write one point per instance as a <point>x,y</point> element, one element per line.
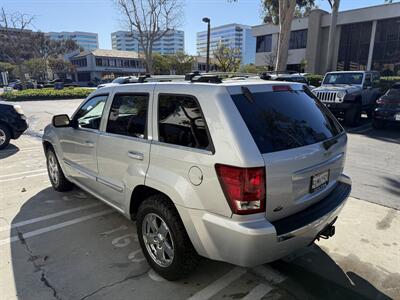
<point>66,82</point>
<point>12,123</point>
<point>387,109</point>
<point>30,84</point>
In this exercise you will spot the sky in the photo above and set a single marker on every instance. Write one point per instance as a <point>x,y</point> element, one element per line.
<point>102,16</point>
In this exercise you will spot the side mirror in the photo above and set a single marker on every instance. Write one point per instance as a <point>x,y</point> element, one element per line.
<point>61,121</point>
<point>320,82</point>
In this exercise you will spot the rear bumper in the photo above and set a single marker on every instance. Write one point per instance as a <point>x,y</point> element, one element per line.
<point>386,114</point>
<point>19,126</point>
<point>250,243</point>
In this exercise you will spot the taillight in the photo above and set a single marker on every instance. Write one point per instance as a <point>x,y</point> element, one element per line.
<point>244,188</point>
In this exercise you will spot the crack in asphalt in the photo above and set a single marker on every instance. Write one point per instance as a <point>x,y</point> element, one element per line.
<point>38,267</point>
<point>114,284</point>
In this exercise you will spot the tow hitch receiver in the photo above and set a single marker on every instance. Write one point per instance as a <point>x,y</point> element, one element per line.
<point>327,232</point>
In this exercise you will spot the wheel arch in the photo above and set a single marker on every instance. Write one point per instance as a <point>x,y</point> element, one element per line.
<point>8,127</point>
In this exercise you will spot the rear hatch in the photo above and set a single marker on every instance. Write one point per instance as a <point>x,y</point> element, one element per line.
<point>302,144</point>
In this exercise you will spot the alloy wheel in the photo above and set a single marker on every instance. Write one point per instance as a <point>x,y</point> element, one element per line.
<point>53,168</point>
<point>157,239</point>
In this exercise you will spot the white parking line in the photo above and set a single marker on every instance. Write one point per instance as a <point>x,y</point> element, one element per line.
<point>258,292</point>
<point>269,274</point>
<point>218,284</point>
<point>42,218</point>
<point>22,177</point>
<point>56,226</point>
<point>20,150</point>
<point>20,173</point>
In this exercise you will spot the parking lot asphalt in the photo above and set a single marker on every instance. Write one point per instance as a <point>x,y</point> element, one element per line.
<point>71,246</point>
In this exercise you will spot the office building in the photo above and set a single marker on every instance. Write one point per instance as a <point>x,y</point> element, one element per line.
<point>86,40</point>
<point>234,36</point>
<point>173,41</point>
<point>366,39</point>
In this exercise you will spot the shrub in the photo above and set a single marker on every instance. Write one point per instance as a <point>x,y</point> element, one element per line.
<point>46,93</point>
<point>314,79</point>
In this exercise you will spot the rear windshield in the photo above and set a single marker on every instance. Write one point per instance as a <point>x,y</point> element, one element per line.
<point>286,119</point>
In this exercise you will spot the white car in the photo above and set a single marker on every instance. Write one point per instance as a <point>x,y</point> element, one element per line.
<point>230,170</point>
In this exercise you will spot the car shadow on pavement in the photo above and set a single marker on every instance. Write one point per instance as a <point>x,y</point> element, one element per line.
<point>392,185</point>
<point>9,151</point>
<point>322,277</point>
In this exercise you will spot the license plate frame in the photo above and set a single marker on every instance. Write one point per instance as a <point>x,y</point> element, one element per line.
<point>319,181</point>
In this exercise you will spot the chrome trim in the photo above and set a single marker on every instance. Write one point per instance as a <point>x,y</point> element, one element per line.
<point>201,151</point>
<point>135,155</point>
<point>110,185</point>
<point>298,174</point>
<point>78,170</point>
<point>125,137</point>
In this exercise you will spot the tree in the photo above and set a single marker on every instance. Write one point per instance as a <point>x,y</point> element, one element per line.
<point>251,68</point>
<point>161,64</point>
<point>227,59</point>
<point>181,63</point>
<point>61,67</point>
<point>36,67</point>
<point>282,12</point>
<point>332,33</point>
<point>149,21</point>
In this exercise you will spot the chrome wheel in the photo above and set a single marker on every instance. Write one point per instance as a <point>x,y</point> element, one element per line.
<point>52,167</point>
<point>2,137</point>
<point>157,239</point>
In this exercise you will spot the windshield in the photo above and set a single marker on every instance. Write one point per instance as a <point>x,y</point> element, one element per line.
<point>120,80</point>
<point>343,78</point>
<point>276,123</point>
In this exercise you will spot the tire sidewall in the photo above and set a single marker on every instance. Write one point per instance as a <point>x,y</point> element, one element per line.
<point>8,136</point>
<point>169,271</point>
<point>48,153</point>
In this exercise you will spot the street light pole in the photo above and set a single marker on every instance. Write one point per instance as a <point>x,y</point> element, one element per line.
<point>207,20</point>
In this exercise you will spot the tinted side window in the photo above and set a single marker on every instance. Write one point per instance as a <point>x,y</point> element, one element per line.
<point>180,122</point>
<point>89,115</point>
<point>128,115</point>
<point>276,122</point>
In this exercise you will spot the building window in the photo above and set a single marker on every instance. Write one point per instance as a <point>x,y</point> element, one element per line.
<point>298,39</point>
<point>354,46</point>
<point>80,62</point>
<point>264,43</point>
<point>386,56</point>
<point>98,62</point>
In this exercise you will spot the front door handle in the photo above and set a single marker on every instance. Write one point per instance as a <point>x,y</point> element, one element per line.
<point>135,155</point>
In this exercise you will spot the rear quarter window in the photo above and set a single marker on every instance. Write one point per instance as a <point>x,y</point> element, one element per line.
<point>287,119</point>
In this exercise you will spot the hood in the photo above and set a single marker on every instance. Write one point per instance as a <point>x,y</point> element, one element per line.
<point>337,88</point>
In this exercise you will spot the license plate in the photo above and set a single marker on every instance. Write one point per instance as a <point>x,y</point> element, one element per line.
<point>319,181</point>
<point>397,117</point>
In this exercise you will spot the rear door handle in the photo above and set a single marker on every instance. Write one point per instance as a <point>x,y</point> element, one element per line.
<point>135,155</point>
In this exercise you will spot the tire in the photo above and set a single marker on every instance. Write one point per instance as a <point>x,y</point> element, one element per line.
<point>352,116</point>
<point>5,136</point>
<point>184,258</point>
<point>378,124</point>
<point>56,175</point>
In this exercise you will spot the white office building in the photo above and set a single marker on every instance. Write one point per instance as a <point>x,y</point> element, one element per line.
<point>173,41</point>
<point>86,40</point>
<point>234,36</point>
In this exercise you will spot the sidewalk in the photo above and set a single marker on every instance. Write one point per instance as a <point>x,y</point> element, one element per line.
<point>364,254</point>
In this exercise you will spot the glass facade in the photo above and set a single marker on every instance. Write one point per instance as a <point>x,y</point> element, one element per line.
<point>386,56</point>
<point>264,43</point>
<point>354,46</point>
<point>298,39</point>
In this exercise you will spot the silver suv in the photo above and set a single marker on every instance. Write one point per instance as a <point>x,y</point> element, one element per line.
<point>348,93</point>
<point>241,171</point>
